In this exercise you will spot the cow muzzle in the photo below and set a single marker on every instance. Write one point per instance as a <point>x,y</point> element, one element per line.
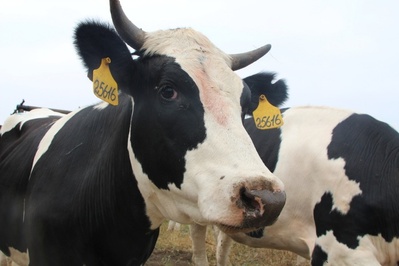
<point>260,208</point>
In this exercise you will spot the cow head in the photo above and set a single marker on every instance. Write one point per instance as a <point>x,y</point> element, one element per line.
<point>190,153</point>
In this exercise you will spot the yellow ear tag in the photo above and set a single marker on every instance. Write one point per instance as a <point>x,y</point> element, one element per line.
<point>266,115</point>
<point>104,85</point>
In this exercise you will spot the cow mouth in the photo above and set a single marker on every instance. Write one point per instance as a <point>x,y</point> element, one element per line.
<point>231,229</point>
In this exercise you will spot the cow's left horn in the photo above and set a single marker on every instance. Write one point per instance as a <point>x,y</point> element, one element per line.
<point>129,32</point>
<point>242,60</point>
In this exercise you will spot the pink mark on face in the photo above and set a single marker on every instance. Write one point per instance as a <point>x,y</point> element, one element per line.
<point>212,99</point>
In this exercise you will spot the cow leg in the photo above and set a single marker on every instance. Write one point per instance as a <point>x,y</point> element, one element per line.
<point>173,226</point>
<point>300,260</point>
<point>224,244</point>
<point>198,235</point>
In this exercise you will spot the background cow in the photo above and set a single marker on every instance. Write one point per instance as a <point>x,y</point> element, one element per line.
<point>93,186</point>
<point>341,174</point>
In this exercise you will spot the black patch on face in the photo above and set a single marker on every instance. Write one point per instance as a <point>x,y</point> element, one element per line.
<point>370,149</point>
<point>168,119</point>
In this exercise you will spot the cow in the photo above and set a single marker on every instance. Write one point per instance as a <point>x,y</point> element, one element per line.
<point>93,186</point>
<point>341,174</point>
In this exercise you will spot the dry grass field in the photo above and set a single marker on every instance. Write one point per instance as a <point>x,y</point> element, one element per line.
<point>174,249</point>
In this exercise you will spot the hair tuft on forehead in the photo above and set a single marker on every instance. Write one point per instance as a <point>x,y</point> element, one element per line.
<point>181,42</point>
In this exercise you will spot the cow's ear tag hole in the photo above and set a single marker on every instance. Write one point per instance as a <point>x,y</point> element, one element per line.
<point>266,115</point>
<point>104,85</point>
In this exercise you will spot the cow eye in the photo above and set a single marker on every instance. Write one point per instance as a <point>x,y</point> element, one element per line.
<point>168,93</point>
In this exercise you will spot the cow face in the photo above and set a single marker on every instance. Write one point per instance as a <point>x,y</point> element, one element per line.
<point>190,154</point>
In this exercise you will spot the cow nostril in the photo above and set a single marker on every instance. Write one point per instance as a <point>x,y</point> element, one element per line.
<point>250,202</point>
<point>260,207</point>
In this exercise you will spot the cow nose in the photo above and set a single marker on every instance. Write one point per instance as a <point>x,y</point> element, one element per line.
<point>260,207</point>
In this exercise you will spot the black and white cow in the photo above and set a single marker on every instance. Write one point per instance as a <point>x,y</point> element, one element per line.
<point>92,187</point>
<point>341,175</point>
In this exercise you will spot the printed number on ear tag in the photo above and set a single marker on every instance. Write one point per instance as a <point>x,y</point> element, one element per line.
<point>104,85</point>
<point>266,115</point>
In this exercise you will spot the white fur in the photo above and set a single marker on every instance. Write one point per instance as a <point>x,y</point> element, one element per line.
<point>49,136</point>
<point>4,260</point>
<point>173,226</point>
<point>21,118</point>
<point>102,105</point>
<point>372,251</point>
<point>17,258</point>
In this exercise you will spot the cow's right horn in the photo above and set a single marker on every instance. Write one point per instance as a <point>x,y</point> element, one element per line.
<point>242,60</point>
<point>129,32</point>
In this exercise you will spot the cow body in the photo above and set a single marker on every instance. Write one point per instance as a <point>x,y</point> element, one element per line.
<point>341,174</point>
<point>92,187</point>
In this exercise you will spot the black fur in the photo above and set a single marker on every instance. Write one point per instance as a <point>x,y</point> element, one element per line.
<point>262,83</point>
<point>94,41</point>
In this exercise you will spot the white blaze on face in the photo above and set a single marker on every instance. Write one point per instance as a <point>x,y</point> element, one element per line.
<point>209,67</point>
<point>227,159</point>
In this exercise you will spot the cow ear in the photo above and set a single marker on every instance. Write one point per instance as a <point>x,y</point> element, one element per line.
<point>263,83</point>
<point>95,41</point>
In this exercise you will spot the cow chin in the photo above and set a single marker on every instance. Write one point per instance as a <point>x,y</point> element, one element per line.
<point>248,225</point>
<point>228,229</point>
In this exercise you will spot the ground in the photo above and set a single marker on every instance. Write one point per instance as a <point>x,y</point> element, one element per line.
<point>174,249</point>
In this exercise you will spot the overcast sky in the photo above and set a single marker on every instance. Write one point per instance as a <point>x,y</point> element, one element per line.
<point>339,53</point>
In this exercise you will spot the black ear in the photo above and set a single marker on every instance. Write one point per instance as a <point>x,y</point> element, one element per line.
<point>94,41</point>
<point>262,83</point>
